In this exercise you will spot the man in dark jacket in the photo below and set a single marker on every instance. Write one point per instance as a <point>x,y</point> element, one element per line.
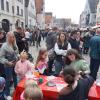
<point>73,41</point>
<point>50,42</point>
<point>2,40</point>
<point>95,53</point>
<point>20,40</point>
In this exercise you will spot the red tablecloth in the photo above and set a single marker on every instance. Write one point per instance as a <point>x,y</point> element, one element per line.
<point>94,93</point>
<point>50,93</point>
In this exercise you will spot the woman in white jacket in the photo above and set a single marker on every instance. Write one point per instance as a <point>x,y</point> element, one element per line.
<point>60,49</point>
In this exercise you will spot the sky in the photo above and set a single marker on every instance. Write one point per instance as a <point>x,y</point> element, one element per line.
<point>65,8</point>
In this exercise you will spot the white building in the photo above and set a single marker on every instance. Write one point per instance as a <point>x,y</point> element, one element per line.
<point>31,14</point>
<point>90,13</point>
<point>41,21</point>
<point>82,22</point>
<point>40,13</point>
<point>98,13</point>
<point>19,13</point>
<point>11,14</point>
<point>62,23</point>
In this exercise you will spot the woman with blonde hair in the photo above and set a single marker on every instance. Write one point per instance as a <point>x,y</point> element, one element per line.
<point>8,57</point>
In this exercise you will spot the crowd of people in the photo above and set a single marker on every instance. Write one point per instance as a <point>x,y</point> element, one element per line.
<point>62,57</point>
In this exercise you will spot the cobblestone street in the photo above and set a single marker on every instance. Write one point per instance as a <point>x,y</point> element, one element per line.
<point>34,50</point>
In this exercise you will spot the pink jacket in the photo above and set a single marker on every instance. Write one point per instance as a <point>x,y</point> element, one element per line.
<point>22,68</point>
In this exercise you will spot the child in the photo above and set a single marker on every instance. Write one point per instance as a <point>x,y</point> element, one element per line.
<point>2,86</point>
<point>23,66</point>
<point>31,92</point>
<point>76,89</point>
<point>41,63</point>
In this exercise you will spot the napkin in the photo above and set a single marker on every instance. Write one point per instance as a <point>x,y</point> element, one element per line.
<point>49,78</point>
<point>60,86</point>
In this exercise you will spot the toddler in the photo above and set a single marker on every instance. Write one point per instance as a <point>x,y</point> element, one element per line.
<point>23,66</point>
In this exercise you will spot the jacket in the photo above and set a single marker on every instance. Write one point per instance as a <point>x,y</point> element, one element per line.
<point>8,54</point>
<point>95,47</point>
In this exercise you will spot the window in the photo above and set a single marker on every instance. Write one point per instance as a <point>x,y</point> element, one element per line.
<point>94,16</point>
<point>22,1</point>
<point>7,6</point>
<point>17,10</point>
<point>2,4</point>
<point>21,12</point>
<point>22,24</point>
<point>13,9</point>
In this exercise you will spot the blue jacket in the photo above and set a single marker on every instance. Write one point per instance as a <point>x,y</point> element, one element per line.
<point>95,47</point>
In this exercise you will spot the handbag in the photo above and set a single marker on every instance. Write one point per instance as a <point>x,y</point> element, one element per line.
<point>51,53</point>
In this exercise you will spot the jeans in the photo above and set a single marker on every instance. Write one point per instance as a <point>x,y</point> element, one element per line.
<point>94,67</point>
<point>10,74</point>
<point>50,65</point>
<point>2,70</point>
<point>58,67</point>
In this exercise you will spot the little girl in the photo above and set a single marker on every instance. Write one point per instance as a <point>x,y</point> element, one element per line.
<point>31,92</point>
<point>23,66</point>
<point>41,63</point>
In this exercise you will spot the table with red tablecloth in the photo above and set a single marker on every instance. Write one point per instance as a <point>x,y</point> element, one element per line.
<point>94,93</point>
<point>50,93</point>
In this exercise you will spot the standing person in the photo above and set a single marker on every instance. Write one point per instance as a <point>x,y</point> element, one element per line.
<point>60,49</point>
<point>38,38</point>
<point>23,66</point>
<point>33,37</point>
<point>95,53</point>
<point>2,37</point>
<point>79,41</point>
<point>27,34</point>
<point>27,37</point>
<point>86,43</point>
<point>50,43</point>
<point>8,57</point>
<point>20,39</point>
<point>2,40</point>
<point>73,41</point>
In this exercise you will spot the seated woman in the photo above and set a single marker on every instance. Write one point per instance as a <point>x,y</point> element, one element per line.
<point>41,63</point>
<point>60,48</point>
<point>77,61</point>
<point>76,89</point>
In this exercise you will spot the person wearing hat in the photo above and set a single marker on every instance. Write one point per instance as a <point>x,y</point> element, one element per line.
<point>2,86</point>
<point>95,53</point>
